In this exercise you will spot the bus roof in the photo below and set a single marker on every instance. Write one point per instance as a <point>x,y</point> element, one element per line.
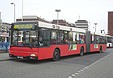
<point>61,27</point>
<point>100,34</point>
<point>54,26</point>
<point>109,36</point>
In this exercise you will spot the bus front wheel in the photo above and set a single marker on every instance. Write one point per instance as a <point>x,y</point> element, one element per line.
<point>56,55</point>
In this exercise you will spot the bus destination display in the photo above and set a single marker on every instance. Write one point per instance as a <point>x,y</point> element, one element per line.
<point>24,26</point>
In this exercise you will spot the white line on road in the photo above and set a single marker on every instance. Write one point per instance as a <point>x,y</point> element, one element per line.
<point>73,75</point>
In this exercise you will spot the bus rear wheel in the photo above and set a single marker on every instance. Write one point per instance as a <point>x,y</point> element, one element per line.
<point>56,55</point>
<point>81,51</point>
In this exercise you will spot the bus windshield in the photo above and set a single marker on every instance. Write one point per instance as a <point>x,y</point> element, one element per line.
<point>24,38</point>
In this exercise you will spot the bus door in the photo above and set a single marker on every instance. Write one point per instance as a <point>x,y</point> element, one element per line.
<point>44,43</point>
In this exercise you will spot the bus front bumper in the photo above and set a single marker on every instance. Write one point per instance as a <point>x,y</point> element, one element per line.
<point>32,56</point>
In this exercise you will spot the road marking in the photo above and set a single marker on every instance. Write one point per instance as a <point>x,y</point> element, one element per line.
<point>99,60</point>
<point>76,73</point>
<point>73,75</point>
<point>69,76</point>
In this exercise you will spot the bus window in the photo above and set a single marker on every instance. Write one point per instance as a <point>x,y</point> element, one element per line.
<point>74,37</point>
<point>82,38</point>
<point>44,37</point>
<point>53,37</point>
<point>96,39</point>
<point>70,37</point>
<point>102,39</point>
<point>92,38</point>
<point>33,39</point>
<point>65,38</point>
<point>78,38</point>
<point>24,38</point>
<point>60,37</point>
<point>15,38</point>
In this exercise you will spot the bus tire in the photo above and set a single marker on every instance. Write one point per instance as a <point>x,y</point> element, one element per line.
<point>56,55</point>
<point>82,51</point>
<point>100,49</point>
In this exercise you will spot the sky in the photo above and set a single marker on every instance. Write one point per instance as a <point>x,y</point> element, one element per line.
<point>94,11</point>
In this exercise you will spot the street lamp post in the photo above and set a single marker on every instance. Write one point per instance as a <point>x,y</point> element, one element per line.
<point>0,15</point>
<point>57,10</point>
<point>14,10</point>
<point>95,27</point>
<point>22,10</point>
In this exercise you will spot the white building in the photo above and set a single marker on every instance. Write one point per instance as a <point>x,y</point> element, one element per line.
<point>82,24</point>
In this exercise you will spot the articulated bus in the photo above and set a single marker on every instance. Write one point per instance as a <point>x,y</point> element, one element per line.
<point>39,40</point>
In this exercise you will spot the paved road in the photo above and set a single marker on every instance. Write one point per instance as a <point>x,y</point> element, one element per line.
<point>63,68</point>
<point>102,68</point>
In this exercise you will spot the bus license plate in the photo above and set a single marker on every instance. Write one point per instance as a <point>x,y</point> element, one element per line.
<point>20,57</point>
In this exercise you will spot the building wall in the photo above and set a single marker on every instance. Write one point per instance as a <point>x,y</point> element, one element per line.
<point>32,18</point>
<point>82,24</point>
<point>110,23</point>
<point>61,22</point>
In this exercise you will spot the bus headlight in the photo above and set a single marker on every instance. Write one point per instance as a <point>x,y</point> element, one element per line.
<point>33,55</point>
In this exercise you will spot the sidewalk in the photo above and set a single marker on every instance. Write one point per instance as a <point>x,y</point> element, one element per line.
<point>4,56</point>
<point>3,51</point>
<point>103,68</point>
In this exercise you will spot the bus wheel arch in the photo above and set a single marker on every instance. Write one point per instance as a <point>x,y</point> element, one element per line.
<point>56,54</point>
<point>82,51</point>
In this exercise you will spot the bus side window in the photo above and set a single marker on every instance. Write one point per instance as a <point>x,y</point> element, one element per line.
<point>53,37</point>
<point>44,37</point>
<point>82,38</point>
<point>65,38</point>
<point>75,37</point>
<point>78,41</point>
<point>70,37</point>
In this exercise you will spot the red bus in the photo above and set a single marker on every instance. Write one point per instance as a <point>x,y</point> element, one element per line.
<point>40,40</point>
